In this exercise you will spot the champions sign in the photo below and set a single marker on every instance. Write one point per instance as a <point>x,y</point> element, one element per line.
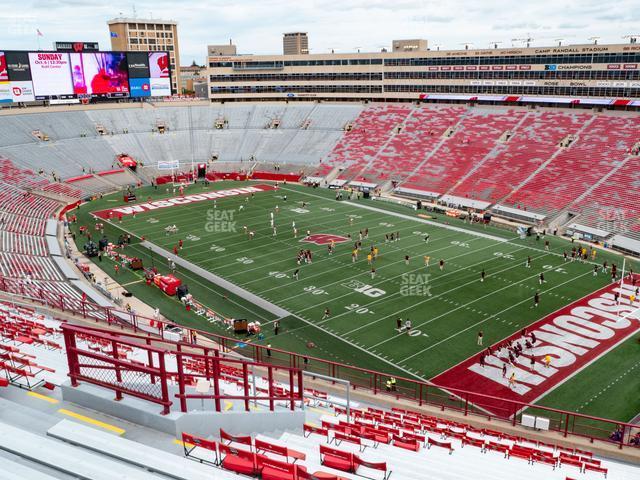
<point>172,202</point>
<point>573,337</point>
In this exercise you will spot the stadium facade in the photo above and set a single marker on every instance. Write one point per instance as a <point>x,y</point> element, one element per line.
<point>588,74</point>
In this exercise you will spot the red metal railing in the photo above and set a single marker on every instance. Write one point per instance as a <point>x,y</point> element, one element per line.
<point>105,358</point>
<point>422,393</point>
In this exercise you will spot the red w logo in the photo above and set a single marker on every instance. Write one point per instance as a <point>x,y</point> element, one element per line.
<point>78,46</point>
<point>324,239</point>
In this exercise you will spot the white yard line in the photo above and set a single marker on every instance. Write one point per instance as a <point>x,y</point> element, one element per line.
<point>443,294</point>
<point>490,317</point>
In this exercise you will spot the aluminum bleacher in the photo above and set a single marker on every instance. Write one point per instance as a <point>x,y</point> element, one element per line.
<point>377,444</point>
<point>598,149</point>
<point>65,458</point>
<point>370,132</point>
<point>533,142</point>
<point>474,138</point>
<point>420,135</point>
<point>130,452</point>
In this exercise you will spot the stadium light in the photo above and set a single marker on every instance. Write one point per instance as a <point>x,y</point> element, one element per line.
<point>526,40</point>
<point>495,44</point>
<point>559,40</point>
<point>594,40</point>
<point>467,45</point>
<point>633,38</point>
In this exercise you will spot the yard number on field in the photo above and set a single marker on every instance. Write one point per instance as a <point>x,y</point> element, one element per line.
<point>357,308</point>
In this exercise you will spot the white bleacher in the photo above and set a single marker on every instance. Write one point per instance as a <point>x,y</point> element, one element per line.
<point>295,115</point>
<point>66,458</point>
<point>17,471</point>
<point>17,265</point>
<point>25,244</point>
<point>92,185</point>
<point>237,115</point>
<point>57,126</point>
<point>333,117</point>
<point>130,452</point>
<point>14,133</point>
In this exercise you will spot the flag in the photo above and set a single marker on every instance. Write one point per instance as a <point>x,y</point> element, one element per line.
<point>114,35</point>
<point>39,32</point>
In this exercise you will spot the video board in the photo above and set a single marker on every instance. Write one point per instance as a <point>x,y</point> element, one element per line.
<point>62,76</point>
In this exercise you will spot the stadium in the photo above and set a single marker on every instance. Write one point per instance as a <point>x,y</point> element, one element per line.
<point>328,266</point>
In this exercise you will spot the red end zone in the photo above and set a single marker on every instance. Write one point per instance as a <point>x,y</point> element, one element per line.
<point>172,202</point>
<point>573,337</point>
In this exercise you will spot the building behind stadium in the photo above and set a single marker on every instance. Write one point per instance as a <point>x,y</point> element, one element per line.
<point>411,71</point>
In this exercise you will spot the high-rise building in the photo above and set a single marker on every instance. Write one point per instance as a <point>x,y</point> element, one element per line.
<point>148,35</point>
<point>295,43</point>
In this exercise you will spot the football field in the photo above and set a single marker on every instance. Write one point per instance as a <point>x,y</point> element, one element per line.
<point>350,308</point>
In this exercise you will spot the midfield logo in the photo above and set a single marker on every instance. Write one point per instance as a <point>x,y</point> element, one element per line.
<point>324,239</point>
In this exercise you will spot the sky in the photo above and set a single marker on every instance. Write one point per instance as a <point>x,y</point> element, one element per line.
<point>256,26</point>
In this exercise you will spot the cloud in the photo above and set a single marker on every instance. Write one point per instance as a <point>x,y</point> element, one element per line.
<point>256,26</point>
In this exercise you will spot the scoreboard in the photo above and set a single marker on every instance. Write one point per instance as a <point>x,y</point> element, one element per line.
<point>69,76</point>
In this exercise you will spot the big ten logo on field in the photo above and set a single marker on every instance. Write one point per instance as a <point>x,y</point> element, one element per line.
<point>324,239</point>
<point>220,221</point>
<point>368,290</point>
<point>415,285</point>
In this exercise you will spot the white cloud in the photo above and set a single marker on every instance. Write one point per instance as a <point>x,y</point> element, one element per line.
<point>256,26</point>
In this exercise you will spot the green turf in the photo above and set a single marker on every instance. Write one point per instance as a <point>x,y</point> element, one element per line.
<point>446,308</point>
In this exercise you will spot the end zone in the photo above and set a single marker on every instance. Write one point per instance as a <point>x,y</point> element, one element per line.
<point>176,201</point>
<point>573,337</point>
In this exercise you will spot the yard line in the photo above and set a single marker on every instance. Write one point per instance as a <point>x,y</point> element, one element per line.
<point>346,265</point>
<point>318,324</point>
<point>490,317</point>
<point>453,310</point>
<point>519,263</point>
<point>400,275</point>
<point>297,244</point>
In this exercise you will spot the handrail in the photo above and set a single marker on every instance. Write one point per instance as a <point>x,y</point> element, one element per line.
<point>421,392</point>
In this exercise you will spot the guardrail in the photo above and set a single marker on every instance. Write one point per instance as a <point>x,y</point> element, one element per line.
<point>101,357</point>
<point>564,422</point>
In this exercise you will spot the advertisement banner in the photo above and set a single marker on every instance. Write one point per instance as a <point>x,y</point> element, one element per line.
<point>4,74</point>
<point>138,64</point>
<point>168,164</point>
<point>140,87</point>
<point>100,74</point>
<point>5,92</point>
<point>18,66</point>
<point>22,92</point>
<point>51,74</point>
<point>160,87</point>
<point>159,64</point>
